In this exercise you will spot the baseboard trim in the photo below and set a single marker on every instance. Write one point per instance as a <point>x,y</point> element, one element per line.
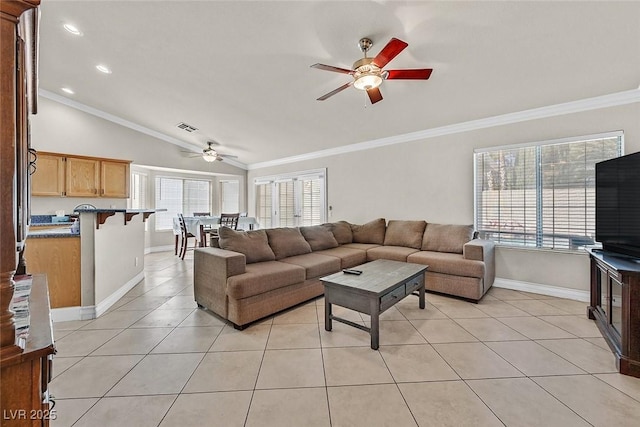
<point>66,314</point>
<point>105,304</point>
<point>537,288</point>
<point>89,312</point>
<point>165,248</point>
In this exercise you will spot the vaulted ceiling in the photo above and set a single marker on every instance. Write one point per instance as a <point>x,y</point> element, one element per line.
<point>239,70</point>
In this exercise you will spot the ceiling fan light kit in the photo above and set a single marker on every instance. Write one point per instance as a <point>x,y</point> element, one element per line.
<point>368,73</point>
<point>210,155</point>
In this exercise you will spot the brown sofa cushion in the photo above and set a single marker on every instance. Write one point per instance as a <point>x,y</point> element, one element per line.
<point>287,242</point>
<point>349,257</point>
<point>446,237</point>
<point>341,231</point>
<point>394,253</point>
<point>405,233</point>
<point>253,244</point>
<point>264,277</point>
<point>319,237</point>
<point>371,232</point>
<point>315,265</point>
<point>448,263</point>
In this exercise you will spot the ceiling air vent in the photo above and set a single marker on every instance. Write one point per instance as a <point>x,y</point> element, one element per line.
<point>187,128</point>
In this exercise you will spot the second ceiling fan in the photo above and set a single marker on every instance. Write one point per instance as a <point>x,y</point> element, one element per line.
<point>368,73</point>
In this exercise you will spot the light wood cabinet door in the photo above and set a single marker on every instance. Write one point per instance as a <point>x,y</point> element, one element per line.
<point>48,180</point>
<point>83,177</point>
<point>59,259</point>
<point>114,179</point>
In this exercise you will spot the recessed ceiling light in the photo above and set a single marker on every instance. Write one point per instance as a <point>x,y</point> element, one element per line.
<point>72,29</point>
<point>103,69</point>
<point>67,90</point>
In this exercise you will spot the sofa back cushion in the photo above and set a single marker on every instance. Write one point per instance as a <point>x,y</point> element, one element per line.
<point>446,237</point>
<point>405,233</point>
<point>253,244</point>
<point>371,232</point>
<point>287,242</point>
<point>341,231</point>
<point>319,237</point>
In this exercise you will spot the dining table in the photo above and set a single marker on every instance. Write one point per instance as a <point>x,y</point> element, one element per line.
<point>196,225</point>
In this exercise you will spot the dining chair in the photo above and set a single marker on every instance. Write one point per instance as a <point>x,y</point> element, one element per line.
<point>226,220</point>
<point>229,220</point>
<point>184,234</point>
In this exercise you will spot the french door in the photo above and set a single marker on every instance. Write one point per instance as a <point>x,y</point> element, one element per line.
<point>292,200</point>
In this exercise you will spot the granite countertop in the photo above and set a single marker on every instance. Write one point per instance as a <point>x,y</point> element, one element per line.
<point>51,232</point>
<point>49,220</point>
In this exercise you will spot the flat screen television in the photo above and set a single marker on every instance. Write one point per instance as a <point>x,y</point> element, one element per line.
<point>618,204</point>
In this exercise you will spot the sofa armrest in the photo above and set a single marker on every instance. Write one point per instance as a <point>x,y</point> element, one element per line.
<point>211,268</point>
<point>478,249</point>
<point>482,250</point>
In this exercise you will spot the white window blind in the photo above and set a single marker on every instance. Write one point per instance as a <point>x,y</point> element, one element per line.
<point>541,195</point>
<point>293,200</point>
<point>286,212</point>
<point>138,199</point>
<point>178,195</point>
<point>312,201</point>
<point>229,196</point>
<point>138,191</point>
<point>264,203</point>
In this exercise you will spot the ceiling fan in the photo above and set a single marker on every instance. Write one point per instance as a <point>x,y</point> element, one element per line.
<point>210,154</point>
<point>368,73</point>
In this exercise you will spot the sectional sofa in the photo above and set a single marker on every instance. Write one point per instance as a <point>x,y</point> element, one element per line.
<point>253,274</point>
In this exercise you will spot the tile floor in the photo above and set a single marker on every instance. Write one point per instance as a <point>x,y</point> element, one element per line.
<point>515,359</point>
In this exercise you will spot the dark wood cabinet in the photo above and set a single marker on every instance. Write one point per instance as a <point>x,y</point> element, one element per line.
<point>615,306</point>
<point>24,363</point>
<point>24,393</point>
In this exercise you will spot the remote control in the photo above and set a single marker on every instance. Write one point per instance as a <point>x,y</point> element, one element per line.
<point>352,271</point>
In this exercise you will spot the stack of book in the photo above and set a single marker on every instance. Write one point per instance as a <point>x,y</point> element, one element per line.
<point>20,305</point>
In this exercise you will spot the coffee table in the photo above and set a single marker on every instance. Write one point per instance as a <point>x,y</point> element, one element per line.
<point>381,285</point>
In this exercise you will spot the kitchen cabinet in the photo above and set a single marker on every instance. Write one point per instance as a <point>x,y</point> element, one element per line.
<point>59,258</point>
<point>80,176</point>
<point>48,180</point>
<point>114,179</point>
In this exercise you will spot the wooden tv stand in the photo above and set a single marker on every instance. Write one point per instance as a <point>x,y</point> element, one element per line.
<point>615,306</point>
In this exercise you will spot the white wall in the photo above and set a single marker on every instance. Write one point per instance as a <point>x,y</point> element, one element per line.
<point>62,129</point>
<point>432,179</point>
<point>117,248</point>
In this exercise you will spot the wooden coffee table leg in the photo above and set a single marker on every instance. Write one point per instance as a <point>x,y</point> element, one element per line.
<point>375,324</point>
<point>421,296</point>
<point>327,315</point>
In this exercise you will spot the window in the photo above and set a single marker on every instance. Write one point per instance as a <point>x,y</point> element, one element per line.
<point>541,195</point>
<point>138,199</point>
<point>178,195</point>
<point>229,196</point>
<point>291,200</point>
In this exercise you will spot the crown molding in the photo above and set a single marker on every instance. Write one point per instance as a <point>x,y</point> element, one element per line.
<point>598,102</point>
<point>587,104</point>
<point>126,123</point>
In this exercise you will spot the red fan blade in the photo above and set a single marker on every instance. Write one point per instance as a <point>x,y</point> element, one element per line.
<point>332,68</point>
<point>333,92</point>
<point>390,51</point>
<point>421,74</point>
<point>374,95</point>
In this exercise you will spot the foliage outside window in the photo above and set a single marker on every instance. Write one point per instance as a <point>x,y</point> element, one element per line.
<point>541,195</point>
